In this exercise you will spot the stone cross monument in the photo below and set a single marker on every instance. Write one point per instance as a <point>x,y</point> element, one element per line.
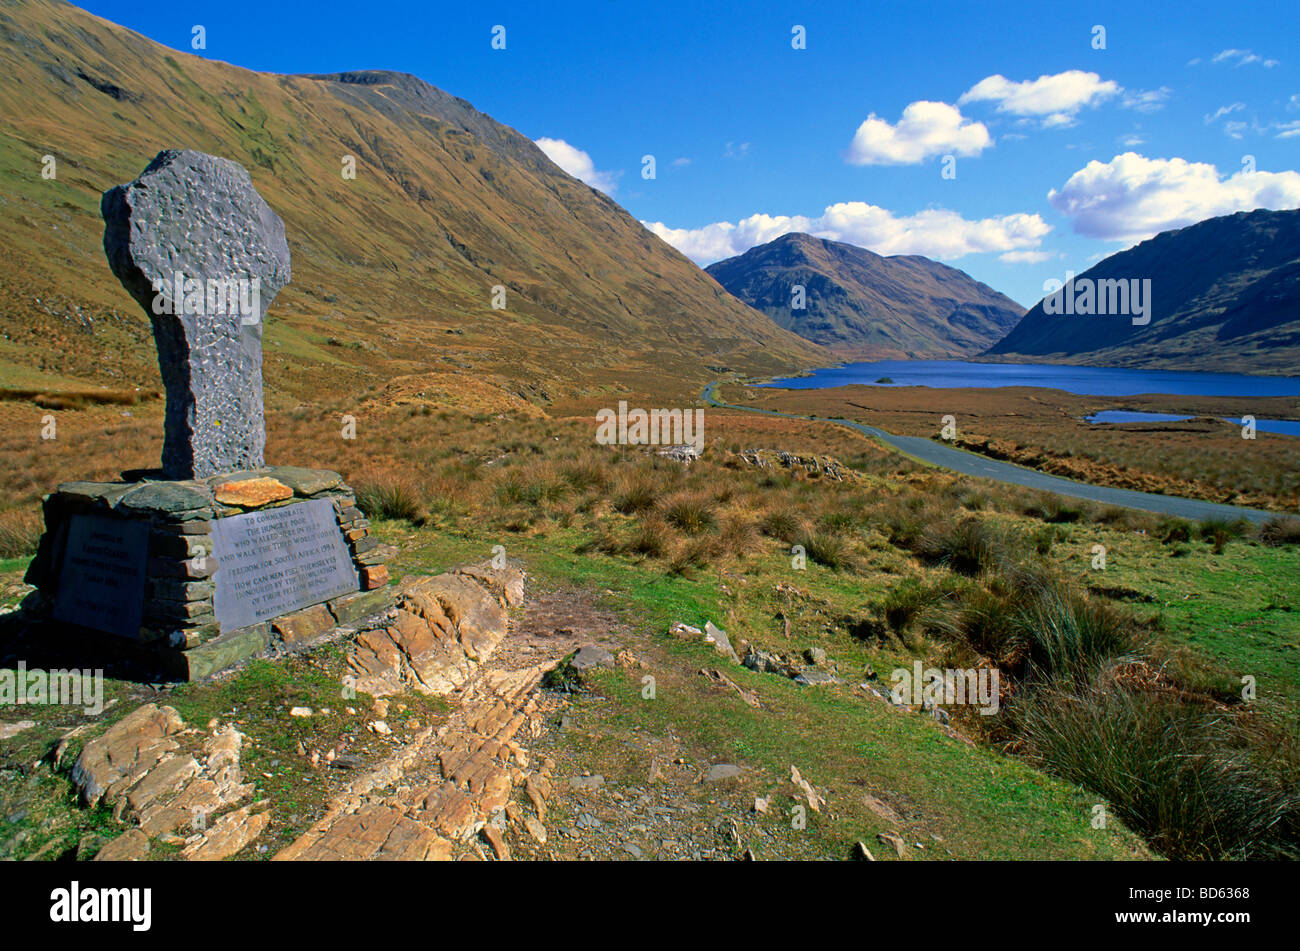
<point>200,250</point>
<point>223,558</point>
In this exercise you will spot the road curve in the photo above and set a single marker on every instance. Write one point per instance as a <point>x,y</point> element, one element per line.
<point>972,464</point>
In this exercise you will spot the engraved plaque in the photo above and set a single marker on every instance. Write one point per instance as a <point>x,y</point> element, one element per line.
<point>101,579</point>
<point>279,560</point>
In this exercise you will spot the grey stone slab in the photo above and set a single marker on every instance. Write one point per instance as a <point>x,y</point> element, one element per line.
<point>307,481</point>
<point>200,250</point>
<point>278,560</point>
<point>102,574</point>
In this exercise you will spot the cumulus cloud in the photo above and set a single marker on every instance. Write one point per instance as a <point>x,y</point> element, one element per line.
<point>1025,257</point>
<point>1242,58</point>
<point>925,129</point>
<point>1053,99</point>
<point>935,233</point>
<point>578,164</point>
<point>1132,197</point>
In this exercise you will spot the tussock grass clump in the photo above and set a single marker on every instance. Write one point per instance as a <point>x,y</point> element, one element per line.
<point>913,599</point>
<point>1195,783</point>
<point>392,495</point>
<point>1058,633</point>
<point>1050,507</point>
<point>1218,531</point>
<point>828,549</point>
<point>783,524</point>
<point>692,514</point>
<point>532,485</point>
<point>588,474</point>
<point>738,537</point>
<point>1173,531</point>
<point>651,538</point>
<point>904,519</point>
<point>1280,530</point>
<point>20,533</point>
<point>969,546</point>
<point>637,496</point>
<point>693,553</point>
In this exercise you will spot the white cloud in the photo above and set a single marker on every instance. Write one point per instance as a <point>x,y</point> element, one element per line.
<point>1054,99</point>
<point>1132,197</point>
<point>1224,111</point>
<point>578,164</point>
<point>1243,58</point>
<point>925,129</point>
<point>1025,257</point>
<point>1146,100</point>
<point>935,233</point>
<point>1132,139</point>
<point>736,150</point>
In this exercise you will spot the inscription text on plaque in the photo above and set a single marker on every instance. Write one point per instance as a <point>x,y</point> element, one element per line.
<point>279,560</point>
<point>101,583</point>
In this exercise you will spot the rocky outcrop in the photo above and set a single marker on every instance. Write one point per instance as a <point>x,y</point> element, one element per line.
<point>154,775</point>
<point>476,777</point>
<point>443,629</point>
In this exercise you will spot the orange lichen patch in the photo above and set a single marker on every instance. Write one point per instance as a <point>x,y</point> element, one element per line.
<point>252,493</point>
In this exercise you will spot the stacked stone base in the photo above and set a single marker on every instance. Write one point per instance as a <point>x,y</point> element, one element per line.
<point>179,631</point>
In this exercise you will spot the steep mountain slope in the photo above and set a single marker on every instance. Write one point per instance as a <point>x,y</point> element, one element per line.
<point>1225,295</point>
<point>864,305</point>
<point>393,270</point>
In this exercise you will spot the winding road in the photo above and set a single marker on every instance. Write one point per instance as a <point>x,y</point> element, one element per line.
<point>969,463</point>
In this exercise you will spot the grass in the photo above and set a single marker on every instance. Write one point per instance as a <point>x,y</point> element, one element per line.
<point>1195,783</point>
<point>904,564</point>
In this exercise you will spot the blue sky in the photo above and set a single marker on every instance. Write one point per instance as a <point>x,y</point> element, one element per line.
<point>1062,152</point>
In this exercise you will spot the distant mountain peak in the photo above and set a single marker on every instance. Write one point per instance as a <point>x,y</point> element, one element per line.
<point>1224,295</point>
<point>865,305</point>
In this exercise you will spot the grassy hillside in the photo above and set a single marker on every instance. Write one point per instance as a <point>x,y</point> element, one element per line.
<point>393,271</point>
<point>1225,296</point>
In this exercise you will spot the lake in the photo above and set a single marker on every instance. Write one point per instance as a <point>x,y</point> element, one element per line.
<point>1286,427</point>
<point>1088,381</point>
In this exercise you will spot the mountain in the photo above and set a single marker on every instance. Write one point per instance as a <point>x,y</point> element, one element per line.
<point>393,271</point>
<point>863,305</point>
<point>1225,295</point>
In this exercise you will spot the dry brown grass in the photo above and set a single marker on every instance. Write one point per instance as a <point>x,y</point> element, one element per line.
<point>1203,458</point>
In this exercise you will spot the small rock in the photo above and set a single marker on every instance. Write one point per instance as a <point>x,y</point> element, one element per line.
<point>718,638</point>
<point>760,805</point>
<point>380,727</point>
<point>895,842</point>
<point>300,712</point>
<point>816,678</point>
<point>721,772</point>
<point>8,730</point>
<point>815,656</point>
<point>535,829</point>
<point>861,853</point>
<point>591,656</point>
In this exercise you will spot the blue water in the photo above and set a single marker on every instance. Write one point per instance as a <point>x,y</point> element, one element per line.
<point>1089,381</point>
<point>1286,427</point>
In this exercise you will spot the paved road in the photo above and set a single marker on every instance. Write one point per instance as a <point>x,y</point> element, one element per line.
<point>969,463</point>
